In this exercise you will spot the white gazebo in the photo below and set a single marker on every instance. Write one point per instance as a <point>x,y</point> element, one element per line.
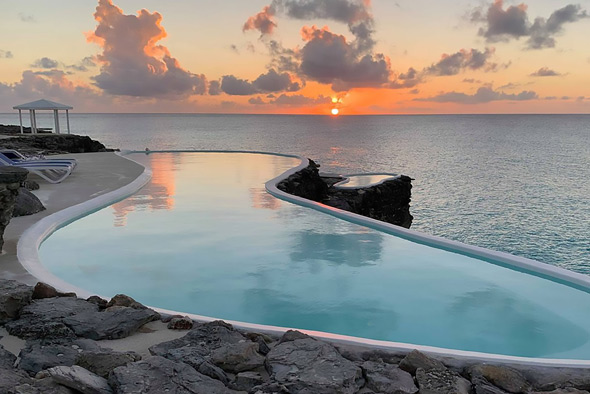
<point>43,105</point>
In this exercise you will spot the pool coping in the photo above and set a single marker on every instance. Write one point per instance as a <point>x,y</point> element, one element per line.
<point>30,241</point>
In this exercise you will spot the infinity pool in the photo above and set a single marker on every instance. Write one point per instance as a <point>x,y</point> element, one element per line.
<point>205,237</point>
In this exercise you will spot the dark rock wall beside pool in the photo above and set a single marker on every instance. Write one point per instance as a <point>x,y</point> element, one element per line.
<point>388,201</point>
<point>11,179</point>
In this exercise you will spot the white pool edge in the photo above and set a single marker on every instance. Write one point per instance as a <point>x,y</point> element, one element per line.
<point>30,241</point>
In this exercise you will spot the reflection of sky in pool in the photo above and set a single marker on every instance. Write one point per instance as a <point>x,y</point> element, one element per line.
<point>205,237</point>
<point>363,180</point>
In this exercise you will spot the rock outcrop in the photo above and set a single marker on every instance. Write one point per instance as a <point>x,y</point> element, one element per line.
<point>388,201</point>
<point>49,144</point>
<point>26,203</point>
<point>11,179</point>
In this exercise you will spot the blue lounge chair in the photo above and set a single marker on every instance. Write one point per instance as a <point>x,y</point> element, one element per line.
<point>18,157</point>
<point>51,172</point>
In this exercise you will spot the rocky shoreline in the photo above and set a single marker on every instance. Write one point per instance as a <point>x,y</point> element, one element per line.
<point>48,143</point>
<point>388,201</point>
<point>63,354</point>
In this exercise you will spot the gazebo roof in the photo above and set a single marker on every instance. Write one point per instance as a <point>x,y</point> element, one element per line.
<point>43,105</point>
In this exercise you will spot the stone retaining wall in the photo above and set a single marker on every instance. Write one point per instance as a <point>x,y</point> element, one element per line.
<point>11,179</point>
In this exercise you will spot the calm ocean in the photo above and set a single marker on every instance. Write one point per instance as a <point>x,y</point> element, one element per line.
<point>514,183</point>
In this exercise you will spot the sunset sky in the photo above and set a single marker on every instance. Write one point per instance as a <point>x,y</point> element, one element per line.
<point>297,56</point>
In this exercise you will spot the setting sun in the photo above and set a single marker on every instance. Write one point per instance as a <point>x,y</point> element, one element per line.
<point>335,111</point>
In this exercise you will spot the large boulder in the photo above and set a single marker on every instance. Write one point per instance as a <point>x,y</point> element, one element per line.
<point>7,359</point>
<point>416,359</point>
<point>113,323</point>
<point>43,290</point>
<point>441,381</point>
<point>506,378</point>
<point>217,342</point>
<point>309,365</point>
<point>388,379</point>
<point>26,203</point>
<point>11,378</point>
<point>103,362</point>
<point>80,379</point>
<point>42,354</point>
<point>44,318</point>
<point>13,297</point>
<point>157,375</point>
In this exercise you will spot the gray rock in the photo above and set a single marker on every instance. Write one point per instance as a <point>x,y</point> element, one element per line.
<point>10,378</point>
<point>7,359</point>
<point>246,381</point>
<point>39,355</point>
<point>293,335</point>
<point>80,379</point>
<point>44,318</point>
<point>567,390</point>
<point>30,185</point>
<point>388,379</point>
<point>112,323</point>
<point>416,359</point>
<point>125,300</point>
<point>103,362</point>
<point>506,378</point>
<point>311,366</point>
<point>548,379</point>
<point>26,203</point>
<point>13,297</point>
<point>438,381</point>
<point>43,386</point>
<point>157,375</point>
<point>273,388</point>
<point>180,323</point>
<point>482,386</point>
<point>238,357</point>
<point>213,371</point>
<point>100,302</point>
<point>262,340</point>
<point>197,345</point>
<point>43,290</point>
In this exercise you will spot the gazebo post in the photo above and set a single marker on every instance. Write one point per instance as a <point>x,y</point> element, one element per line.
<point>32,124</point>
<point>35,121</point>
<point>68,119</point>
<point>20,118</point>
<point>56,118</point>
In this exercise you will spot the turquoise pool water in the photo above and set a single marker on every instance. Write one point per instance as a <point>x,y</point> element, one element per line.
<point>205,237</point>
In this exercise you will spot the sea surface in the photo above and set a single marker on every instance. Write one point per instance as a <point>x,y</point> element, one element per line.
<point>513,183</point>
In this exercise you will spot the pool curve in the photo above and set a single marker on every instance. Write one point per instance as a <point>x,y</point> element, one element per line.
<point>31,240</point>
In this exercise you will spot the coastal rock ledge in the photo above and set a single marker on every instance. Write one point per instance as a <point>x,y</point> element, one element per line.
<point>388,201</point>
<point>64,353</point>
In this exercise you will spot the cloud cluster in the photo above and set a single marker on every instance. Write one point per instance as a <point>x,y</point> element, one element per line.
<point>6,54</point>
<point>464,59</point>
<point>293,100</point>
<point>329,58</point>
<point>45,62</point>
<point>545,72</point>
<point>263,21</point>
<point>484,94</point>
<point>132,64</point>
<point>272,81</point>
<point>513,23</point>
<point>355,13</point>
